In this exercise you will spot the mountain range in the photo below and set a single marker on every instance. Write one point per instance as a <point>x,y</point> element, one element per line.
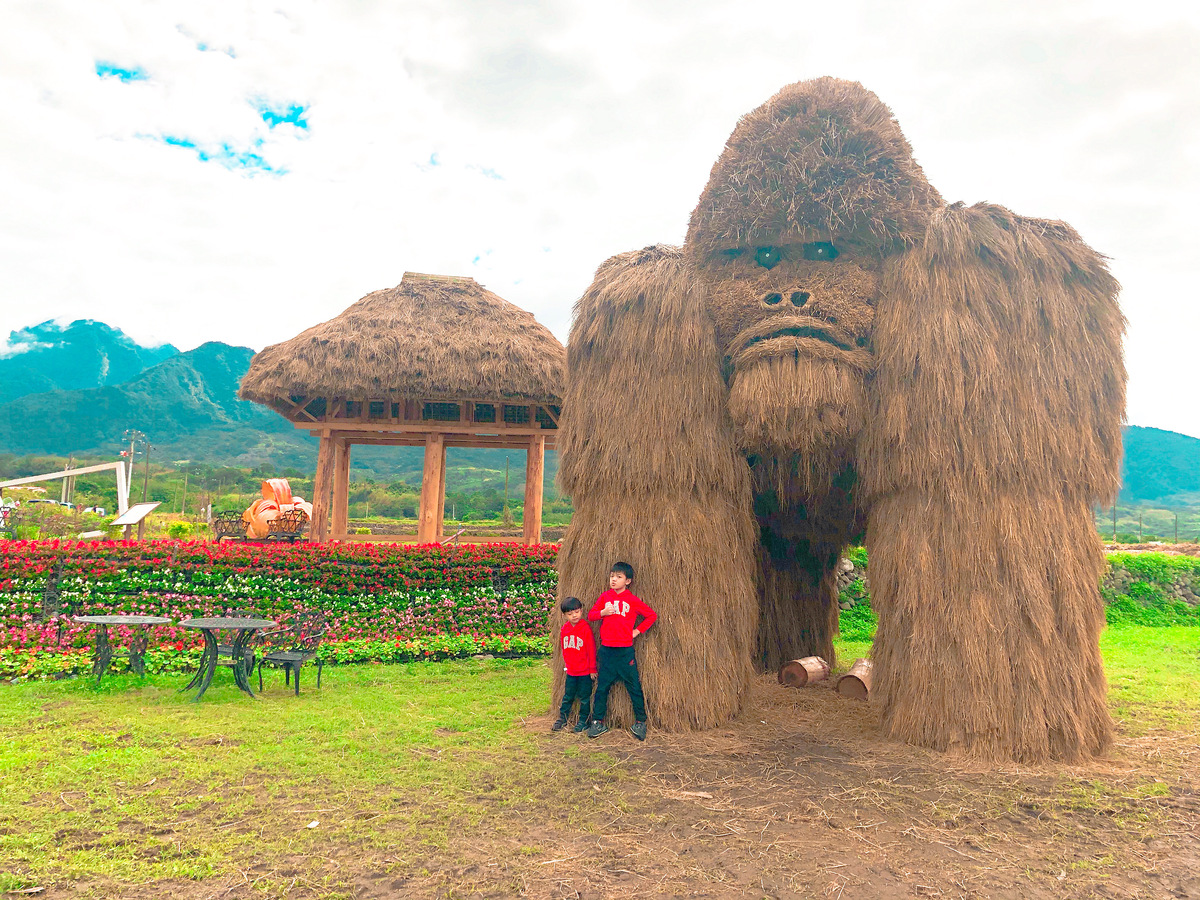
<point>76,389</point>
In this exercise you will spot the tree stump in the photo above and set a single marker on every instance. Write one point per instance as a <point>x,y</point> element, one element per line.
<point>856,684</point>
<point>799,672</point>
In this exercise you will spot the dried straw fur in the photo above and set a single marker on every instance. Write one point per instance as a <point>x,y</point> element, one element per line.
<point>820,158</point>
<point>430,337</point>
<point>650,462</point>
<point>952,380</point>
<point>997,403</point>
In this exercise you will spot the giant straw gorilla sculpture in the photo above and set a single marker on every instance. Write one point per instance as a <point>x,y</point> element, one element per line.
<point>834,349</point>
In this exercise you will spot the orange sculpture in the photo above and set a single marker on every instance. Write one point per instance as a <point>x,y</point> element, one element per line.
<point>277,499</point>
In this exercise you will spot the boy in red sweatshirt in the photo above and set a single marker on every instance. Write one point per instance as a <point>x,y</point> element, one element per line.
<point>579,659</point>
<point>618,610</point>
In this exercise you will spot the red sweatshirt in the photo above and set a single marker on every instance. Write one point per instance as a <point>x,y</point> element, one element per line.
<point>578,648</point>
<point>617,630</point>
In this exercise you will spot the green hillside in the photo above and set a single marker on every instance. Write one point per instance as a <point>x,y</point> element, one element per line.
<point>1160,467</point>
<point>84,354</point>
<point>188,407</point>
<point>186,403</point>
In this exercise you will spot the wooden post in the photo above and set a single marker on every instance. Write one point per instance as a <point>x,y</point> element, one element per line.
<point>441,506</point>
<point>431,476</point>
<point>319,527</point>
<point>535,468</point>
<point>341,489</point>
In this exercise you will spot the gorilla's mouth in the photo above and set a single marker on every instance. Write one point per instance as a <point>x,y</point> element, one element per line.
<point>797,331</point>
<point>780,335</point>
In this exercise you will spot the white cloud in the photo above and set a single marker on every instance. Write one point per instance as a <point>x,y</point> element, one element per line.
<point>602,120</point>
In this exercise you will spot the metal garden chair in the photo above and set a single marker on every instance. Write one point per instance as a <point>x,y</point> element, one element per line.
<point>294,646</point>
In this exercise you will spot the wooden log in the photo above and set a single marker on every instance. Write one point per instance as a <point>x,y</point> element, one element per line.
<point>427,525</point>
<point>319,527</point>
<point>856,684</point>
<point>799,672</point>
<point>535,468</point>
<point>341,489</point>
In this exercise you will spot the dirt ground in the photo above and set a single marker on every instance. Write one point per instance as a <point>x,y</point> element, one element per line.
<point>799,798</point>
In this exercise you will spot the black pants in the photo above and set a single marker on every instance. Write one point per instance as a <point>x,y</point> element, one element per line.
<point>578,687</point>
<point>618,663</point>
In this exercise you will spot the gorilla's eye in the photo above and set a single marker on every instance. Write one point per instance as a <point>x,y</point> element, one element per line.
<point>767,257</point>
<point>820,250</point>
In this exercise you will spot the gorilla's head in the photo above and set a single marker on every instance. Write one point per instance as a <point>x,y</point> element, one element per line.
<point>813,191</point>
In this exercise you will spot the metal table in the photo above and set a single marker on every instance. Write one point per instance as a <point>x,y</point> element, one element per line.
<point>103,654</point>
<point>244,629</point>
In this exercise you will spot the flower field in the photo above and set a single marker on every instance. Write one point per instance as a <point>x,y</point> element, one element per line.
<point>384,603</point>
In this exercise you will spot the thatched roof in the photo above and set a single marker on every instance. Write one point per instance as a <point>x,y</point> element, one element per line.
<point>822,160</point>
<point>433,337</point>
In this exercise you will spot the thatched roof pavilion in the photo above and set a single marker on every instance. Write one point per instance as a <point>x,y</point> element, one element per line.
<point>437,361</point>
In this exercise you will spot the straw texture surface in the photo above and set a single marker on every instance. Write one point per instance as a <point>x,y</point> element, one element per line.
<point>430,336</point>
<point>834,349</point>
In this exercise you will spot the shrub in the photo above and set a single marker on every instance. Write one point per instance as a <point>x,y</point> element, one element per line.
<point>180,530</point>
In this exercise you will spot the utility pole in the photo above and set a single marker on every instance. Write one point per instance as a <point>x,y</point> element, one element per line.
<point>66,482</point>
<point>183,502</point>
<point>1139,528</point>
<point>133,436</point>
<point>145,489</point>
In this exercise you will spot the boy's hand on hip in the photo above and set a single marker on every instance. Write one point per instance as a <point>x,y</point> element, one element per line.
<point>635,633</point>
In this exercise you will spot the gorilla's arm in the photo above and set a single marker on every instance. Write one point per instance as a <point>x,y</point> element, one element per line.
<point>997,405</point>
<point>649,461</point>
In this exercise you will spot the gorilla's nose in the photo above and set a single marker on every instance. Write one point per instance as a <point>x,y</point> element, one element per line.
<point>798,298</point>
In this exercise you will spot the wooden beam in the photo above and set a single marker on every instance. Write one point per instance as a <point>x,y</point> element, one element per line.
<point>297,407</point>
<point>441,507</point>
<point>450,440</point>
<point>423,427</point>
<point>535,468</point>
<point>430,482</point>
<point>319,526</point>
<point>341,487</point>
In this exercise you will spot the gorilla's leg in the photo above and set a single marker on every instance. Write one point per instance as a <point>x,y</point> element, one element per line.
<point>989,624</point>
<point>801,537</point>
<point>694,564</point>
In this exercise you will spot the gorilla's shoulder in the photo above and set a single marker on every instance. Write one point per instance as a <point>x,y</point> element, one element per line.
<point>653,283</point>
<point>647,256</point>
<point>962,236</point>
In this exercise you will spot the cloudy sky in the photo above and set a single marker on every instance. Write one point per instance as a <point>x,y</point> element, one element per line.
<point>239,171</point>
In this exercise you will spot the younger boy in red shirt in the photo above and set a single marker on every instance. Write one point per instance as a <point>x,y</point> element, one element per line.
<point>618,610</point>
<point>579,659</point>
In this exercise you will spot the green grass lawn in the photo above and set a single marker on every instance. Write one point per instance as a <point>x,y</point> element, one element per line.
<point>130,783</point>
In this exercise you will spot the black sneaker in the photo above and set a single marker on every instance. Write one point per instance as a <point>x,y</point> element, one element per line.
<point>596,729</point>
<point>558,725</point>
<point>638,730</point>
<point>581,725</point>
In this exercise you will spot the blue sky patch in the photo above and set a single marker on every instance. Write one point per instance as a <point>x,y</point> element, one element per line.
<point>225,154</point>
<point>286,114</point>
<point>111,70</point>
